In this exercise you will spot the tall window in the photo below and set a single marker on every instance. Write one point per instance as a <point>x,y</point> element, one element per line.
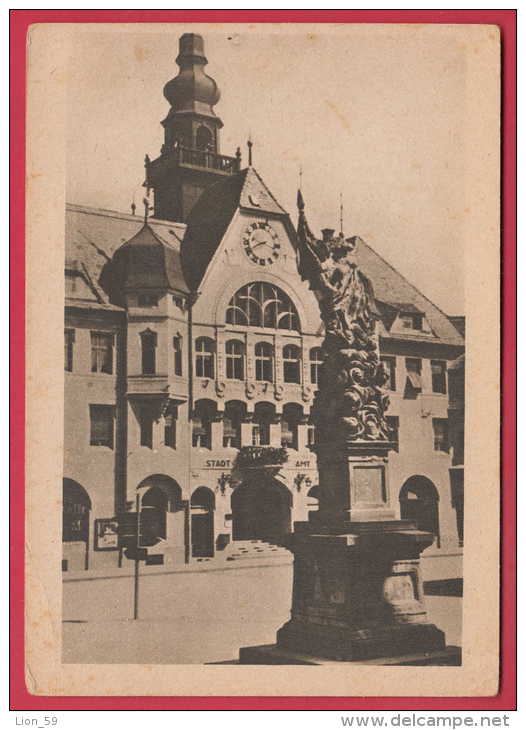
<point>438,376</point>
<point>204,357</point>
<point>233,418</point>
<point>441,434</point>
<point>264,359</point>
<point>394,430</point>
<point>148,346</point>
<point>204,139</point>
<point>69,339</point>
<point>235,355</point>
<point>311,434</point>
<point>202,424</point>
<point>263,416</point>
<point>413,366</point>
<point>291,364</point>
<point>289,426</point>
<point>101,352</point>
<point>178,355</point>
<point>389,364</point>
<point>316,361</point>
<point>101,425</point>
<point>260,304</point>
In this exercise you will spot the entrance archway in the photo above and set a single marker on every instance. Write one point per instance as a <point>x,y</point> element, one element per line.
<point>261,510</point>
<point>419,503</point>
<point>76,508</point>
<point>162,496</point>
<point>202,505</point>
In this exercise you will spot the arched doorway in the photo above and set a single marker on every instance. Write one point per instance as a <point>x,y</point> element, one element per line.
<point>419,503</point>
<point>155,501</point>
<point>313,499</point>
<point>76,508</point>
<point>261,510</point>
<point>160,497</point>
<point>202,505</point>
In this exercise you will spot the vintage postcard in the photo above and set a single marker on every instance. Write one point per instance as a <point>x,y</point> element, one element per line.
<point>269,464</point>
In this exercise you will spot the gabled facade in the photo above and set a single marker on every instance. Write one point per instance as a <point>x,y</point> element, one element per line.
<point>191,337</point>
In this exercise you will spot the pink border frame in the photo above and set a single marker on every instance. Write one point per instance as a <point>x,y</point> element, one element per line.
<point>21,699</point>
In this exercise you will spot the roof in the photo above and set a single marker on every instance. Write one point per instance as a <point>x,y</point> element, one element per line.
<point>146,261</point>
<point>390,286</point>
<point>404,307</point>
<point>459,322</point>
<point>212,214</point>
<point>94,234</point>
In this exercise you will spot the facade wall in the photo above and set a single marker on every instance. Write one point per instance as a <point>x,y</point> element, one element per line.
<point>111,476</point>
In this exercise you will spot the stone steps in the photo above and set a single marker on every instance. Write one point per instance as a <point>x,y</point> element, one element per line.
<point>250,549</point>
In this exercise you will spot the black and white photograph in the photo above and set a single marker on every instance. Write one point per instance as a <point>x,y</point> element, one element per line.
<point>269,290</point>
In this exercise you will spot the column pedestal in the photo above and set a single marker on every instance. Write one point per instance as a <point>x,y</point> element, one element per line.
<point>357,592</point>
<point>358,595</point>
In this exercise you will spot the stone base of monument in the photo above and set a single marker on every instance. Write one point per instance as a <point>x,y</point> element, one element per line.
<point>273,654</point>
<point>357,596</point>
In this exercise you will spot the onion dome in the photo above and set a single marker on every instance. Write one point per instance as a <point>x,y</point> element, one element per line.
<point>192,90</point>
<point>145,262</point>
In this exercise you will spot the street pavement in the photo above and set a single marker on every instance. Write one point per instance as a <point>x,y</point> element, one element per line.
<point>193,617</point>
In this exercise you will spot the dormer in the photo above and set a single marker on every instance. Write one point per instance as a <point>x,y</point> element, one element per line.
<point>405,319</point>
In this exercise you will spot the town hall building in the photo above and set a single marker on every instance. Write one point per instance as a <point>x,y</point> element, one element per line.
<point>192,357</point>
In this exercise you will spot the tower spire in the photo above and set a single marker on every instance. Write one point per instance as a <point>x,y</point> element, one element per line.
<point>249,145</point>
<point>341,215</point>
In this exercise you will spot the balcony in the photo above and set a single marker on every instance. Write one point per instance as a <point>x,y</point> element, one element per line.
<point>151,386</point>
<point>196,159</point>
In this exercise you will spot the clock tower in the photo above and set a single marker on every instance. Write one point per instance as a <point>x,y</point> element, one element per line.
<point>190,158</point>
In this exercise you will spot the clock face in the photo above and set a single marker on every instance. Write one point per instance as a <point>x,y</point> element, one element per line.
<point>261,243</point>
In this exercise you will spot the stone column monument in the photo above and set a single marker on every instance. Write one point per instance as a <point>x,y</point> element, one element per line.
<point>357,592</point>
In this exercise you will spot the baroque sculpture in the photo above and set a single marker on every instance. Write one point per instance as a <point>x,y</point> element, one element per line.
<point>357,591</point>
<point>351,403</point>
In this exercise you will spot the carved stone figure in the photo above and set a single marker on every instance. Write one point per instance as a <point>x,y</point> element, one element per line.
<point>350,404</point>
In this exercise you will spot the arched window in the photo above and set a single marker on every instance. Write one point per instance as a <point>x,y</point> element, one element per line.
<point>419,503</point>
<point>204,357</point>
<point>235,360</point>
<point>260,304</point>
<point>204,139</point>
<point>148,345</point>
<point>264,414</point>
<point>291,364</point>
<point>204,414</point>
<point>290,421</point>
<point>316,361</point>
<point>313,498</point>
<point>232,420</point>
<point>264,358</point>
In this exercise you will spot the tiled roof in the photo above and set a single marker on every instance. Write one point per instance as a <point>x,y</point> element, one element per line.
<point>459,321</point>
<point>390,286</point>
<point>94,234</point>
<point>212,214</point>
<point>146,261</point>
